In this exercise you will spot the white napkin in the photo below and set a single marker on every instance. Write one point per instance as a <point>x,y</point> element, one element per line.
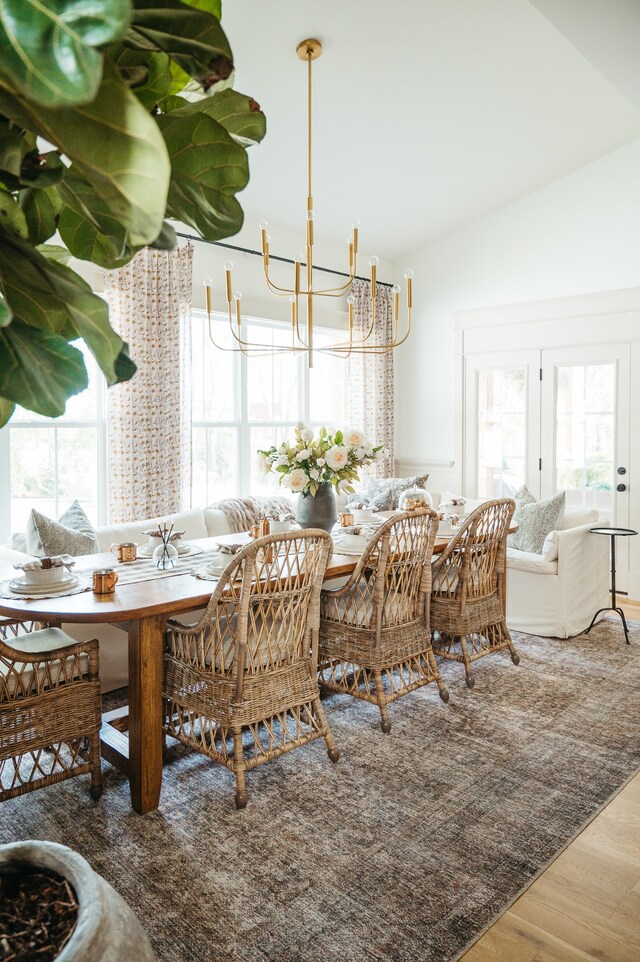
<point>56,561</point>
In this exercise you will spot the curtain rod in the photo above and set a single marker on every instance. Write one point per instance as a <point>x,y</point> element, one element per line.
<point>274,257</point>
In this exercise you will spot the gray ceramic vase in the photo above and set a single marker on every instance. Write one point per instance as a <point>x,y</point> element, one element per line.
<point>107,930</point>
<point>319,510</point>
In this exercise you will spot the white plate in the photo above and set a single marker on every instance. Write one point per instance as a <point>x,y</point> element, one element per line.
<point>21,581</point>
<point>18,585</point>
<point>347,547</point>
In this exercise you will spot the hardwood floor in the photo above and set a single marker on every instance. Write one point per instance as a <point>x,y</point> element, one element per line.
<point>586,906</point>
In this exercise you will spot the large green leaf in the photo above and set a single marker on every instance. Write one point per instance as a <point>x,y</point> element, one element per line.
<point>115,144</point>
<point>207,169</point>
<point>88,227</point>
<point>39,370</point>
<point>239,115</point>
<point>48,295</point>
<point>41,209</point>
<point>193,38</point>
<point>146,72</point>
<point>47,49</point>
<point>5,312</point>
<point>12,149</point>
<point>6,410</point>
<point>12,219</point>
<point>211,6</point>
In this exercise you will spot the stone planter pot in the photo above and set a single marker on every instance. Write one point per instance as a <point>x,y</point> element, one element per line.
<point>319,510</point>
<point>107,929</point>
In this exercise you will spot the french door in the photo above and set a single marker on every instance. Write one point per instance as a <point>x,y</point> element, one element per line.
<point>555,420</point>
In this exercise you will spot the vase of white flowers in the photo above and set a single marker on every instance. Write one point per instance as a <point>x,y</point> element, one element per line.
<point>317,468</point>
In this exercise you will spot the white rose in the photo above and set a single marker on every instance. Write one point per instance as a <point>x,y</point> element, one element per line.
<point>353,438</point>
<point>300,426</point>
<point>297,480</point>
<point>314,473</point>
<point>337,457</point>
<point>306,434</point>
<point>283,459</point>
<point>321,462</point>
<point>282,449</point>
<point>303,455</point>
<point>379,456</point>
<point>359,454</point>
<point>368,448</point>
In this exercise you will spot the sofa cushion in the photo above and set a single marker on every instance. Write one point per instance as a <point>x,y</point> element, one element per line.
<point>550,547</point>
<point>216,522</point>
<point>73,534</point>
<point>383,493</point>
<point>9,556</point>
<point>530,561</point>
<point>191,522</point>
<point>574,517</point>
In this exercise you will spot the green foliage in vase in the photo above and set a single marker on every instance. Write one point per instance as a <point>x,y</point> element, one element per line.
<point>114,115</point>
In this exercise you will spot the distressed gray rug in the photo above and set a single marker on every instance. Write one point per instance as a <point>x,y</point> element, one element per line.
<point>407,849</point>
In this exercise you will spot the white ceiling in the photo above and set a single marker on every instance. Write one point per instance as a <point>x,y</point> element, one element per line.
<point>428,113</point>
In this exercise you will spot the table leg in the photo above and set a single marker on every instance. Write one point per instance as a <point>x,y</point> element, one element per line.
<point>145,712</point>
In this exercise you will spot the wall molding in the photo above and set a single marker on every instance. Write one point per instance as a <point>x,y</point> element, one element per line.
<point>529,312</point>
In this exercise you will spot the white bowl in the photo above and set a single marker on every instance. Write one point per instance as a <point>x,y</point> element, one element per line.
<point>46,576</point>
<point>364,516</point>
<point>354,541</point>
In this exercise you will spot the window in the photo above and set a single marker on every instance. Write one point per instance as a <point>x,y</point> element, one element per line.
<point>238,405</point>
<point>242,404</point>
<point>46,463</point>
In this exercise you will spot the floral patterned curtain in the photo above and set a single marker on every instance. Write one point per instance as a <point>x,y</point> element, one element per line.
<point>371,401</point>
<point>149,417</point>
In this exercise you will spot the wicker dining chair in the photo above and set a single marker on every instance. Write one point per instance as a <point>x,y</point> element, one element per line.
<point>241,685</point>
<point>375,639</point>
<point>468,593</point>
<point>50,709</point>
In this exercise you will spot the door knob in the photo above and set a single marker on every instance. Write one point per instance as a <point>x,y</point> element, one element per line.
<point>622,470</point>
<point>621,487</point>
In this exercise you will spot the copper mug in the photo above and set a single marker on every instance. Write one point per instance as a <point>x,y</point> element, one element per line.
<point>346,519</point>
<point>104,581</point>
<point>128,551</point>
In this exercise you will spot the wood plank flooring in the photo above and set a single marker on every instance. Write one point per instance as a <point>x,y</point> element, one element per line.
<point>586,906</point>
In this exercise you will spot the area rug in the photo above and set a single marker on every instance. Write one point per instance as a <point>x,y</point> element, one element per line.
<point>407,849</point>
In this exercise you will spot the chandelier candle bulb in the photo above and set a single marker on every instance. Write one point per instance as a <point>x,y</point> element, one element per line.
<point>228,267</point>
<point>408,275</point>
<point>355,228</point>
<point>373,263</point>
<point>396,302</point>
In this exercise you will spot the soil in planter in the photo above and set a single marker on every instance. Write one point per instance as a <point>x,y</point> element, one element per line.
<point>38,913</point>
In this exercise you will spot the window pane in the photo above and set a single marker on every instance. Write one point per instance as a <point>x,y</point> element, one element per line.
<point>213,380</point>
<point>273,385</point>
<point>78,469</point>
<point>502,408</point>
<point>32,474</point>
<point>214,464</point>
<point>328,386</point>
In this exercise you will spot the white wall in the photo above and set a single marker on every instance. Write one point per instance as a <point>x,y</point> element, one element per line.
<point>578,234</point>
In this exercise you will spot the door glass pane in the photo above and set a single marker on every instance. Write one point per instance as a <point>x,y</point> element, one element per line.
<point>502,431</point>
<point>585,435</point>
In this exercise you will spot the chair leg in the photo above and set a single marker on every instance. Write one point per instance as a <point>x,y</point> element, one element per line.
<point>467,662</point>
<point>515,657</point>
<point>96,768</point>
<point>385,721</point>
<point>332,749</point>
<point>242,796</point>
<point>433,667</point>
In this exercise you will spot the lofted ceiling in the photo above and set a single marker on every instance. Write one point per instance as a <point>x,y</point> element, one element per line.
<point>428,113</point>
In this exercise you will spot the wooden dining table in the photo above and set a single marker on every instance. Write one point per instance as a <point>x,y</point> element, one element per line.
<point>132,738</point>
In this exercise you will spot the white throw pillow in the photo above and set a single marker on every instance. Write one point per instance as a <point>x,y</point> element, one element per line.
<point>73,534</point>
<point>535,521</point>
<point>550,547</point>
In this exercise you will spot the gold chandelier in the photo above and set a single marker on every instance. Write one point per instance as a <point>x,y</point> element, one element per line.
<point>302,340</point>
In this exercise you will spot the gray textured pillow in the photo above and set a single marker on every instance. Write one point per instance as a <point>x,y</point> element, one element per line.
<point>522,496</point>
<point>535,521</point>
<point>73,534</point>
<point>383,493</point>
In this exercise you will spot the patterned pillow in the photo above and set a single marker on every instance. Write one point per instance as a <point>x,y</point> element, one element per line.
<point>522,496</point>
<point>383,493</point>
<point>73,534</point>
<point>535,521</point>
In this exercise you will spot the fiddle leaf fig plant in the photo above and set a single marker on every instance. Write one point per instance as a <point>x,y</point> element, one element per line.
<point>114,116</point>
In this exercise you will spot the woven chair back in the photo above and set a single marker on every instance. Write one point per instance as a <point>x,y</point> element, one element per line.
<point>473,561</point>
<point>393,579</point>
<point>24,674</point>
<point>264,609</point>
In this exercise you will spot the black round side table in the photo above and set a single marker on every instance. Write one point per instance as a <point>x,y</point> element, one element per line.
<point>613,534</point>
